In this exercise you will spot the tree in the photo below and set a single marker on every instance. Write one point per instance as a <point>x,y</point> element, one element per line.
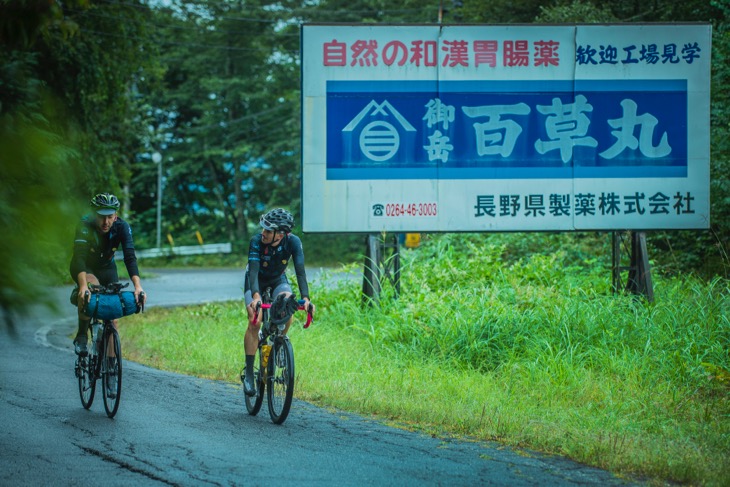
<point>66,129</point>
<point>681,251</point>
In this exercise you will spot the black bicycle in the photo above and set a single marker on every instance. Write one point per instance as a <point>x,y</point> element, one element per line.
<point>274,364</point>
<point>104,359</point>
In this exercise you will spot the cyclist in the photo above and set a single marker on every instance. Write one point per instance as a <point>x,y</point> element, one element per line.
<point>269,254</point>
<point>98,236</point>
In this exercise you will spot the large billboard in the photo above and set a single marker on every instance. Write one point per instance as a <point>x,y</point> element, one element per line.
<point>505,128</point>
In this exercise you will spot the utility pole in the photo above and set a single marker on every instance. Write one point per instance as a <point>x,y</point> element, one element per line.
<point>157,159</point>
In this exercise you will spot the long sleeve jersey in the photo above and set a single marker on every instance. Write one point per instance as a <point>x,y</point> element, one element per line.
<point>94,250</point>
<point>267,263</point>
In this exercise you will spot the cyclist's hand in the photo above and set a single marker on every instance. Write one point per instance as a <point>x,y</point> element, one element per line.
<point>140,296</point>
<point>252,310</point>
<point>141,300</point>
<point>83,296</point>
<point>309,306</point>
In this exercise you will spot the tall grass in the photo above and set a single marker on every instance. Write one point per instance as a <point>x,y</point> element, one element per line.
<point>533,352</point>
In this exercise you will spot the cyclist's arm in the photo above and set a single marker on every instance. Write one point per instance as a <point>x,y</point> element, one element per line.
<point>130,257</point>
<point>297,251</point>
<point>83,285</point>
<point>298,258</point>
<point>253,278</point>
<point>254,266</point>
<point>80,256</point>
<point>130,261</point>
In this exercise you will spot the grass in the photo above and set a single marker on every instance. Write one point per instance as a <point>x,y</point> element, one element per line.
<point>532,352</point>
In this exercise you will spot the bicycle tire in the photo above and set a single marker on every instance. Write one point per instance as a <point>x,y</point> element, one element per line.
<point>87,382</point>
<point>253,403</point>
<point>111,371</point>
<point>281,380</point>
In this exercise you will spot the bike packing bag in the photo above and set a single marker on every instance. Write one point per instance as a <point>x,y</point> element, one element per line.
<point>111,306</point>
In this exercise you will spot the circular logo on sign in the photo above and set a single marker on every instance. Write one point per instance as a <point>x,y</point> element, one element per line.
<point>379,141</point>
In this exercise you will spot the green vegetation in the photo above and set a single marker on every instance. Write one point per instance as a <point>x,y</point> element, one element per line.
<point>321,250</point>
<point>91,92</point>
<point>529,349</point>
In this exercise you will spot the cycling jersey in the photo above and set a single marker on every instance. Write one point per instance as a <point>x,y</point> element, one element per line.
<point>267,264</point>
<point>94,251</point>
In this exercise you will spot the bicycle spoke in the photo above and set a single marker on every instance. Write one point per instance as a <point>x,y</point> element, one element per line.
<point>112,371</point>
<point>281,381</point>
<point>87,385</point>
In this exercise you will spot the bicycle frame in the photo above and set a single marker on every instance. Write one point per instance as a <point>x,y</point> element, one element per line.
<point>104,360</point>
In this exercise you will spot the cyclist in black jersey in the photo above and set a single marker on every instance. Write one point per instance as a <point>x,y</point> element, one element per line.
<point>98,236</point>
<point>269,254</point>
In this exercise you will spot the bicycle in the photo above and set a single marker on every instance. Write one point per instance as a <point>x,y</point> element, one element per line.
<point>274,364</point>
<point>102,362</point>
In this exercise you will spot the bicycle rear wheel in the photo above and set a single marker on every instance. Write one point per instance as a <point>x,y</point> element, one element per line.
<point>111,371</point>
<point>281,380</point>
<point>253,403</point>
<point>87,382</point>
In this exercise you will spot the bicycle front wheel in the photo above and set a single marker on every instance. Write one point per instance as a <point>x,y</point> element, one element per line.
<point>87,382</point>
<point>111,371</point>
<point>281,380</point>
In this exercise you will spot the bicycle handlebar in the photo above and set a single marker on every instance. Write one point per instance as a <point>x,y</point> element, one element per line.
<point>99,288</point>
<point>261,305</point>
<point>309,312</point>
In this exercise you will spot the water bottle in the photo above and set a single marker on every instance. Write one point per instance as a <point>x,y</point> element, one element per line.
<point>265,351</point>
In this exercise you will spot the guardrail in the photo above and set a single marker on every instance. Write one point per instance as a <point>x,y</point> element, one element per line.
<point>221,248</point>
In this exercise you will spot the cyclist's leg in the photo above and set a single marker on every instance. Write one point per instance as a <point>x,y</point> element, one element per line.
<point>82,332</point>
<point>250,342</point>
<point>251,338</point>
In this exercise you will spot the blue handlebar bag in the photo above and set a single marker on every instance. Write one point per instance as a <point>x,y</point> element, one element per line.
<point>111,306</point>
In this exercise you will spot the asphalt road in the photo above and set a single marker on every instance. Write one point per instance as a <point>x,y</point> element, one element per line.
<point>173,429</point>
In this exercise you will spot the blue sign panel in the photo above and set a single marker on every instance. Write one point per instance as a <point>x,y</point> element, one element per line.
<point>506,129</point>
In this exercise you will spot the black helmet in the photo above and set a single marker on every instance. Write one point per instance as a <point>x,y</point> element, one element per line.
<point>277,219</point>
<point>105,203</point>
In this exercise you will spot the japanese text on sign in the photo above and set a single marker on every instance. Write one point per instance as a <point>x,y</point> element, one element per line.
<point>513,53</point>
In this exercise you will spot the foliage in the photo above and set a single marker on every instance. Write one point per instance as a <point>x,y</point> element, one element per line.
<point>577,12</point>
<point>67,128</point>
<point>226,117</point>
<point>332,250</point>
<point>35,213</point>
<point>214,88</point>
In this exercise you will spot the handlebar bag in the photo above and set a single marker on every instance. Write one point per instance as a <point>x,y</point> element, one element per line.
<point>111,306</point>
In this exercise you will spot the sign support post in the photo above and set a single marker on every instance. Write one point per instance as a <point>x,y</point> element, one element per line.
<point>639,270</point>
<point>382,263</point>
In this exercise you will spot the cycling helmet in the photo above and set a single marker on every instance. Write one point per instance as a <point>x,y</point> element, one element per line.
<point>277,219</point>
<point>105,203</point>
